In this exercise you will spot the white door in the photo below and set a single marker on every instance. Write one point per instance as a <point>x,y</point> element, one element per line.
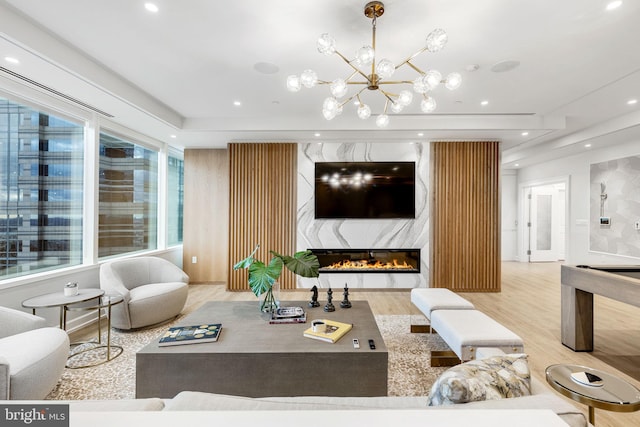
<point>546,222</point>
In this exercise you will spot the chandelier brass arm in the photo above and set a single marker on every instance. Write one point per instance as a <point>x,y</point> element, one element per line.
<point>426,81</point>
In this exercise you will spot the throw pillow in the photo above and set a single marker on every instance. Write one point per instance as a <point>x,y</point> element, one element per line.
<point>492,378</point>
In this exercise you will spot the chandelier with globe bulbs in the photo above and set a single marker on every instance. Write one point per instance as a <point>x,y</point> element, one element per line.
<point>378,77</point>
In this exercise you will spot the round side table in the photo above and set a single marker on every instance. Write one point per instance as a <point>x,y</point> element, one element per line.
<point>105,302</point>
<point>611,393</point>
<point>59,299</point>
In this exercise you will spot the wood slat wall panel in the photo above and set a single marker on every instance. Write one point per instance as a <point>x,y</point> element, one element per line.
<point>206,221</point>
<point>262,208</point>
<point>465,216</point>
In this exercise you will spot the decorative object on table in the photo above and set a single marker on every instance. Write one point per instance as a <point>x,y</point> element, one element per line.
<point>262,277</point>
<point>191,334</point>
<point>329,305</point>
<point>314,297</point>
<point>345,301</point>
<point>327,330</point>
<point>288,315</point>
<point>71,289</point>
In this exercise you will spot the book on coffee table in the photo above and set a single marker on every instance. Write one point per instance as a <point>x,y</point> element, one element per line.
<point>327,330</point>
<point>288,315</point>
<point>191,334</point>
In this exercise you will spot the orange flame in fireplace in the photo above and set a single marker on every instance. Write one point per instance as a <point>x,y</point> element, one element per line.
<point>366,265</point>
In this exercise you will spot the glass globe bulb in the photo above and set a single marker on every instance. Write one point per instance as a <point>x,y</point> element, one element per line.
<point>428,104</point>
<point>309,78</point>
<point>404,98</point>
<point>419,85</point>
<point>396,107</point>
<point>436,40</point>
<point>338,88</point>
<point>365,55</point>
<point>364,111</point>
<point>432,79</point>
<point>328,114</point>
<point>326,44</point>
<point>382,121</point>
<point>454,80</point>
<point>330,104</point>
<point>293,83</point>
<point>385,69</point>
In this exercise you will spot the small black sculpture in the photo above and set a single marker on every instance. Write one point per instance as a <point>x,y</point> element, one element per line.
<point>329,305</point>
<point>345,301</point>
<point>314,298</point>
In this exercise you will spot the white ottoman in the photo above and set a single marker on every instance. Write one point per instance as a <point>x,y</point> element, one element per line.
<point>430,299</point>
<point>466,330</point>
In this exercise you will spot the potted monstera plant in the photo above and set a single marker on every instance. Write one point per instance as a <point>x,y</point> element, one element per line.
<point>262,277</point>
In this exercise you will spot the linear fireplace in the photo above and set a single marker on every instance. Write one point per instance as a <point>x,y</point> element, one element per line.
<point>368,260</point>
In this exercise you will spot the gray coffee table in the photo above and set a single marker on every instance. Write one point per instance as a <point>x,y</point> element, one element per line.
<point>256,359</point>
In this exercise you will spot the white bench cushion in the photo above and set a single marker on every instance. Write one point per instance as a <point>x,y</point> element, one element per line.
<point>466,330</point>
<point>430,299</point>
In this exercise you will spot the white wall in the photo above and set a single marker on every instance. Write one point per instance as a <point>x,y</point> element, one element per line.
<point>578,169</point>
<point>509,215</point>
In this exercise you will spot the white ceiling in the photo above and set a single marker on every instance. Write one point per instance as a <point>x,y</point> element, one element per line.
<point>178,71</point>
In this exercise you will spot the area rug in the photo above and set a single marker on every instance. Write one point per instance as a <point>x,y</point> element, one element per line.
<point>410,373</point>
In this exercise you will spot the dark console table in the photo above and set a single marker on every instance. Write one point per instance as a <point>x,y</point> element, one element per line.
<point>579,283</point>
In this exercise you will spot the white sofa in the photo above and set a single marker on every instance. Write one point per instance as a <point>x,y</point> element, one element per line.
<point>32,356</point>
<point>153,288</point>
<point>542,398</point>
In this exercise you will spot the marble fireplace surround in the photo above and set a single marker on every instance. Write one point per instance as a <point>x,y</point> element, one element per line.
<point>380,234</point>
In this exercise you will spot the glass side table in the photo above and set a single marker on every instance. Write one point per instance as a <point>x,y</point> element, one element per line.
<point>610,392</point>
<point>93,353</point>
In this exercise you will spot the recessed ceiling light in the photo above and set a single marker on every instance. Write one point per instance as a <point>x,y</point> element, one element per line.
<point>614,4</point>
<point>504,66</point>
<point>151,7</point>
<point>11,59</point>
<point>316,134</point>
<point>173,136</point>
<point>484,103</point>
<point>421,134</point>
<point>587,145</point>
<point>237,103</point>
<point>517,164</point>
<point>525,133</point>
<point>632,101</point>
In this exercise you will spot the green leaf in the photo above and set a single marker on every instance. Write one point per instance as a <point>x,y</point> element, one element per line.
<point>303,263</point>
<point>262,277</point>
<point>247,261</point>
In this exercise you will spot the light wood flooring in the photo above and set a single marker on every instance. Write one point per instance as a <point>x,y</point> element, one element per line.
<point>529,305</point>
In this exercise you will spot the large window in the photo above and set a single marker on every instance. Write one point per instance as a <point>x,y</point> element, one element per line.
<point>41,171</point>
<point>128,195</point>
<point>175,199</point>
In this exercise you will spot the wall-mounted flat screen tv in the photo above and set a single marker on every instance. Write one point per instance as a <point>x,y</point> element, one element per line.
<point>365,190</point>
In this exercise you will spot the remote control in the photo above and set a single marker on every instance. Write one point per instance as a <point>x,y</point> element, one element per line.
<point>356,343</point>
<point>372,345</point>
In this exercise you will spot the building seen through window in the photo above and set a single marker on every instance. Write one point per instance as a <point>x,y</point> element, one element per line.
<point>41,185</point>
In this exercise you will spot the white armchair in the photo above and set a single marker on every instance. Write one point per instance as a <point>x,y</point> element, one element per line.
<point>32,355</point>
<point>154,290</point>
